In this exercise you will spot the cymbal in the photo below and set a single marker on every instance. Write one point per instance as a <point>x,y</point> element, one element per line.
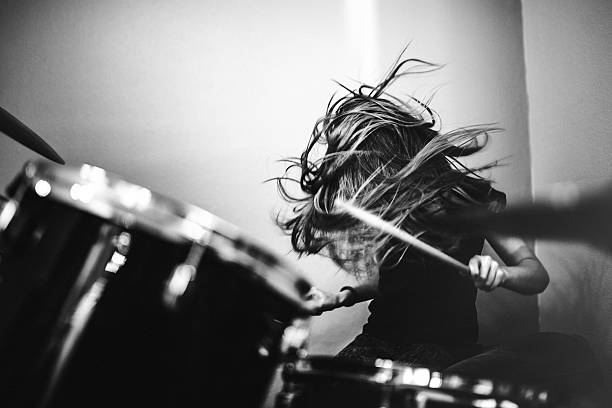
<point>580,216</point>
<point>13,128</point>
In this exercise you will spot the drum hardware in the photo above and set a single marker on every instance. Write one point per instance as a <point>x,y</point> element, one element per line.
<point>110,250</point>
<point>7,211</point>
<point>158,301</point>
<point>177,284</point>
<point>122,246</point>
<point>295,339</point>
<point>423,398</point>
<point>182,276</point>
<point>328,382</point>
<point>16,130</point>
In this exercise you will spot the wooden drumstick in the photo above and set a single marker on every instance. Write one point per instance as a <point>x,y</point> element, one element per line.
<point>377,222</point>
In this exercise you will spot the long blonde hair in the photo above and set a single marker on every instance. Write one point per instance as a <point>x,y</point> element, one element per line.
<point>384,154</point>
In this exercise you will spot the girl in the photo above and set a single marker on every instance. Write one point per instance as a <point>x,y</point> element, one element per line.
<point>385,154</point>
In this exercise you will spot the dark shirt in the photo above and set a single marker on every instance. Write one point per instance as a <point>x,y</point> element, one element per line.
<point>423,300</point>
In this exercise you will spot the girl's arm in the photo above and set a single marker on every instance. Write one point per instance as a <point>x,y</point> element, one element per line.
<point>321,301</point>
<point>522,273</point>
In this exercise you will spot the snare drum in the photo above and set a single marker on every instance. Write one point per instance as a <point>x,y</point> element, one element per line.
<point>329,382</point>
<point>112,295</point>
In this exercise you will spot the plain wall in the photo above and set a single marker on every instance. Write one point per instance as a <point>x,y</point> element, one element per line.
<point>568,53</point>
<point>199,99</point>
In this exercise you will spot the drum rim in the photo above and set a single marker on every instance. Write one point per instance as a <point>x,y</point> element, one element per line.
<point>172,218</point>
<point>390,373</point>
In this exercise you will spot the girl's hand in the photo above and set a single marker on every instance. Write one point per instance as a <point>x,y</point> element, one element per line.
<point>320,301</point>
<point>486,272</point>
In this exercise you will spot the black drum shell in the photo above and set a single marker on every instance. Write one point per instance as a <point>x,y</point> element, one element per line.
<point>219,341</point>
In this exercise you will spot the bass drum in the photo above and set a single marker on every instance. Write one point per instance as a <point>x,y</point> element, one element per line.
<point>331,382</point>
<point>112,295</point>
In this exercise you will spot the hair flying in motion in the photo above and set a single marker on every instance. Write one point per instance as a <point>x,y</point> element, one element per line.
<point>384,155</point>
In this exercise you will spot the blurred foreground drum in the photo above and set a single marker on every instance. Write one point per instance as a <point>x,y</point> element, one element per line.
<point>112,296</point>
<point>328,382</point>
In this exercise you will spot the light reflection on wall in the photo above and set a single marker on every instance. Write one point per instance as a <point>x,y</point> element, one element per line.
<point>362,25</point>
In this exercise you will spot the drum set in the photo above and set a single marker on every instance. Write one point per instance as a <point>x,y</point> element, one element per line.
<point>114,295</point>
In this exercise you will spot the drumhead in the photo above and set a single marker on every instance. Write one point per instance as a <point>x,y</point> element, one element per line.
<point>106,195</point>
<point>396,375</point>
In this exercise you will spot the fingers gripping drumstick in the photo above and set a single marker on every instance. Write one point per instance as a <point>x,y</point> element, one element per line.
<point>377,222</point>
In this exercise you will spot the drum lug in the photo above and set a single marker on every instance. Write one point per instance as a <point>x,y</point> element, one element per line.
<point>295,339</point>
<point>122,243</point>
<point>424,397</point>
<point>181,277</point>
<point>177,284</point>
<point>8,208</point>
<point>264,349</point>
